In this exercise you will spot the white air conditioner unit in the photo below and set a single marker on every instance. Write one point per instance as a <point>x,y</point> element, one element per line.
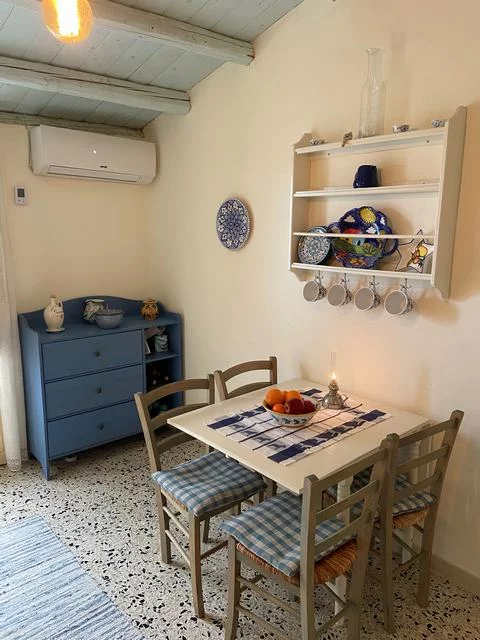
<point>68,153</point>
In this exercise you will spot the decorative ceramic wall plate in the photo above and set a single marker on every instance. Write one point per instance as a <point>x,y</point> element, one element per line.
<point>233,224</point>
<point>415,255</point>
<point>313,250</point>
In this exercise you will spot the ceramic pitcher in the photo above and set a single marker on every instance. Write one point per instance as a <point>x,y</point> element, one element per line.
<point>53,315</point>
<point>92,305</point>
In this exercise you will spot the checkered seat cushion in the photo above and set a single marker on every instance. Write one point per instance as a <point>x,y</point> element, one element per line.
<point>415,502</point>
<point>208,483</point>
<point>271,531</point>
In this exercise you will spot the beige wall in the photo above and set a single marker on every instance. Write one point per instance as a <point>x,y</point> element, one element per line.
<point>2,450</point>
<point>237,141</point>
<point>75,238</point>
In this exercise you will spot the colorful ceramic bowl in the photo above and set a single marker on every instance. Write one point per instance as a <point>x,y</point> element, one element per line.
<point>362,253</point>
<point>292,420</point>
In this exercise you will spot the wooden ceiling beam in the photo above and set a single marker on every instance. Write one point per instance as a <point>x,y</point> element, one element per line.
<point>45,77</point>
<point>166,30</point>
<point>7,117</point>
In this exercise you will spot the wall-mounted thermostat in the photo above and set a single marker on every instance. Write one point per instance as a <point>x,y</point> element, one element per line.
<point>20,195</point>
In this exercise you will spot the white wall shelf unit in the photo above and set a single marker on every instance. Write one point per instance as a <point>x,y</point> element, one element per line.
<point>390,236</point>
<point>421,172</point>
<point>375,143</point>
<point>373,191</point>
<point>399,275</point>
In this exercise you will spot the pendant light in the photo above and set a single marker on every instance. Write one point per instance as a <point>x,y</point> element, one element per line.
<point>70,21</point>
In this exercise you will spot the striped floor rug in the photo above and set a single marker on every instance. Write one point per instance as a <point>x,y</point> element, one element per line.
<point>46,595</point>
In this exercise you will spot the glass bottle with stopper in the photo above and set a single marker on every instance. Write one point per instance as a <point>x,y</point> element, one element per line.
<point>373,97</point>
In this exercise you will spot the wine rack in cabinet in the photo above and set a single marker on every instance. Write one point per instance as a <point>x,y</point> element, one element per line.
<point>420,173</point>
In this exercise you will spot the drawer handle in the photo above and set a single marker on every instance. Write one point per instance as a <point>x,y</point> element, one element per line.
<point>99,390</point>
<point>100,427</point>
<point>97,354</point>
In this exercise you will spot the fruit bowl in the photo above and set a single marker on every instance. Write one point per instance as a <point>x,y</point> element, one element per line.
<point>293,419</point>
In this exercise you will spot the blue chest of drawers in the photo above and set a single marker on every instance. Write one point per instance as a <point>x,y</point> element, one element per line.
<point>79,383</point>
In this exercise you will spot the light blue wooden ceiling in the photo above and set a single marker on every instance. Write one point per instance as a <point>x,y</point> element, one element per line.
<point>126,56</point>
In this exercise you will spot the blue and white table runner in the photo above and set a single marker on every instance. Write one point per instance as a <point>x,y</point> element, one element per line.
<point>258,430</point>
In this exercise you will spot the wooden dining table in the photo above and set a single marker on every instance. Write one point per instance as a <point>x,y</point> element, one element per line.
<point>320,463</point>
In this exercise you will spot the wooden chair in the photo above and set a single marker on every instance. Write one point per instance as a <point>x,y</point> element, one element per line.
<point>404,504</point>
<point>298,544</point>
<point>200,488</point>
<point>222,377</point>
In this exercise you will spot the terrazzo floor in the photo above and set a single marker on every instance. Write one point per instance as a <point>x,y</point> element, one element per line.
<point>103,507</point>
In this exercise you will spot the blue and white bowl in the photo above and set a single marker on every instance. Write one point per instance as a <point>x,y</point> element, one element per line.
<point>294,420</point>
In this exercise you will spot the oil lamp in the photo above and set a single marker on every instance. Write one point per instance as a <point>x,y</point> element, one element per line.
<point>333,399</point>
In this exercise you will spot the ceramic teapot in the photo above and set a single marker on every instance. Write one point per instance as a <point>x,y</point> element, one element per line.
<point>53,315</point>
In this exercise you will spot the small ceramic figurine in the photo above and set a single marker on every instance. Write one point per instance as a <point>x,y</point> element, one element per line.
<point>54,315</point>
<point>92,305</point>
<point>149,309</point>
<point>347,137</point>
<point>400,128</point>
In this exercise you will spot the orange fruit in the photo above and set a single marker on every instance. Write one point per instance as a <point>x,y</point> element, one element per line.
<point>274,396</point>
<point>278,408</point>
<point>290,395</point>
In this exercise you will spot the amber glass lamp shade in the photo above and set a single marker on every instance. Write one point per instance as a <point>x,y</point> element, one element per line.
<point>69,21</point>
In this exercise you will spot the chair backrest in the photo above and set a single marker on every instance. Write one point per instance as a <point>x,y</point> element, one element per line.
<point>222,377</point>
<point>438,456</point>
<point>151,425</point>
<point>359,528</point>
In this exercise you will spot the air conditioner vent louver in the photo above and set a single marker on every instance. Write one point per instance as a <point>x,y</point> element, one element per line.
<point>90,174</point>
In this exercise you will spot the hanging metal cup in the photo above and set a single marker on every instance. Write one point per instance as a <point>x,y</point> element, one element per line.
<point>398,302</point>
<point>367,298</point>
<point>314,290</point>
<point>338,294</point>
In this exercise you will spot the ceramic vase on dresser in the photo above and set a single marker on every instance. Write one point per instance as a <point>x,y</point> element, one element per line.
<point>54,315</point>
<point>149,309</point>
<point>92,305</point>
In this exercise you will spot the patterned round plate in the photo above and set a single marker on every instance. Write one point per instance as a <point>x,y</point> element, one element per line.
<point>313,250</point>
<point>233,224</point>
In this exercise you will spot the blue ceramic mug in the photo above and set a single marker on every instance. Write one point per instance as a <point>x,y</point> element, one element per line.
<point>366,176</point>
